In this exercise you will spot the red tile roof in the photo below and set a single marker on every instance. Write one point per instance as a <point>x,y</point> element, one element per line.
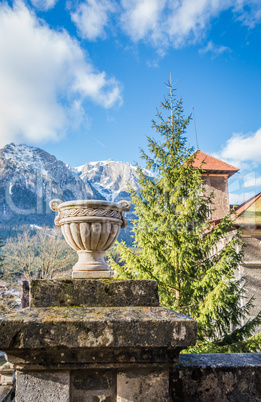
<point>249,213</point>
<point>212,165</point>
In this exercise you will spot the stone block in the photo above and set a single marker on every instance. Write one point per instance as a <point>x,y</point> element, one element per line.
<point>91,386</point>
<point>43,386</point>
<point>91,358</point>
<point>214,377</point>
<point>93,293</point>
<point>76,334</point>
<point>143,385</point>
<point>79,327</point>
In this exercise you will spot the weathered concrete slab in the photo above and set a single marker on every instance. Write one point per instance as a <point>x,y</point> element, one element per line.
<point>85,327</point>
<point>93,293</point>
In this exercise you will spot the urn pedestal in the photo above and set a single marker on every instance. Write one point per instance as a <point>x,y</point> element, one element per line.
<point>94,340</point>
<point>90,227</point>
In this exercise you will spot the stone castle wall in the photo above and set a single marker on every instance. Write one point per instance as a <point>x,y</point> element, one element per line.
<point>218,186</point>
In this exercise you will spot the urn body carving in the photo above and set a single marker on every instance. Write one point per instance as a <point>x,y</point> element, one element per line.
<point>90,227</point>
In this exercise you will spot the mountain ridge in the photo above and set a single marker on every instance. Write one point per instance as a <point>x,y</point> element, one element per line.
<point>30,177</point>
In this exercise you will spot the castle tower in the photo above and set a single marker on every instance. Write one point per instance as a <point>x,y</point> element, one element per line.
<point>215,174</point>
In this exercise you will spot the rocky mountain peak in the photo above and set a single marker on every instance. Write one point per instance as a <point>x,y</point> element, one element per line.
<point>26,155</point>
<point>30,177</point>
<point>110,178</point>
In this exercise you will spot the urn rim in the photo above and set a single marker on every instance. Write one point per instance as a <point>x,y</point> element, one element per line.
<point>91,204</point>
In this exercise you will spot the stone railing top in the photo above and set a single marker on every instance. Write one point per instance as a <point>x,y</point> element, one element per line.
<point>71,320</point>
<point>103,327</point>
<point>216,360</point>
<point>93,293</point>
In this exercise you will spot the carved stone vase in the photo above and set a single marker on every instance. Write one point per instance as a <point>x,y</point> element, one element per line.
<point>90,227</point>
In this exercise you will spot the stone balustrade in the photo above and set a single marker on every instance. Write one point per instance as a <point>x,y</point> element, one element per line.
<point>94,340</point>
<point>109,340</point>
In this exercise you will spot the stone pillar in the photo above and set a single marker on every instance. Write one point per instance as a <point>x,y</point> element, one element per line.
<point>94,340</point>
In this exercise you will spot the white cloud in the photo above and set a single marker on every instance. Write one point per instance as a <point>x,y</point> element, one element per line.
<point>142,18</point>
<point>248,12</point>
<point>44,4</point>
<point>253,182</point>
<point>188,20</point>
<point>215,50</point>
<point>44,75</point>
<point>162,22</point>
<point>238,199</point>
<point>249,179</point>
<point>243,147</point>
<point>92,16</point>
<point>178,23</point>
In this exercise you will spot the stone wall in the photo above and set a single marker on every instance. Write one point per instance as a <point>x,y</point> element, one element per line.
<point>109,385</point>
<point>94,340</point>
<point>217,377</point>
<point>217,185</point>
<point>195,378</point>
<point>252,251</point>
<point>109,340</point>
<point>251,270</point>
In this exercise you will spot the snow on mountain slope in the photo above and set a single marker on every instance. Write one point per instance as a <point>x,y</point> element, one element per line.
<point>34,160</point>
<point>29,179</point>
<point>27,156</point>
<point>111,179</point>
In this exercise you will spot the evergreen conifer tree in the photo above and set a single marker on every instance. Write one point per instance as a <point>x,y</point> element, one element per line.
<point>175,244</point>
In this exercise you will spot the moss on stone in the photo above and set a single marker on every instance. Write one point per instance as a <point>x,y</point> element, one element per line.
<point>96,326</point>
<point>81,292</point>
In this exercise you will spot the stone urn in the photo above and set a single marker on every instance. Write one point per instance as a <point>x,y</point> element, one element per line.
<point>90,227</point>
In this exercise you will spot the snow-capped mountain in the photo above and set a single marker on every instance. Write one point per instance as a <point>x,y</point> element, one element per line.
<point>111,179</point>
<point>31,177</point>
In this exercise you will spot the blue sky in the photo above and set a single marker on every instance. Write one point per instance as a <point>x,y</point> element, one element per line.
<point>83,79</point>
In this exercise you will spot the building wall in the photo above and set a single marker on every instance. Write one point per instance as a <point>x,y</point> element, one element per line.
<point>251,269</point>
<point>218,186</point>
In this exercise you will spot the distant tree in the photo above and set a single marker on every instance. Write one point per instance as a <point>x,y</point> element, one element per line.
<point>45,254</point>
<point>1,257</point>
<point>9,298</point>
<point>174,241</point>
